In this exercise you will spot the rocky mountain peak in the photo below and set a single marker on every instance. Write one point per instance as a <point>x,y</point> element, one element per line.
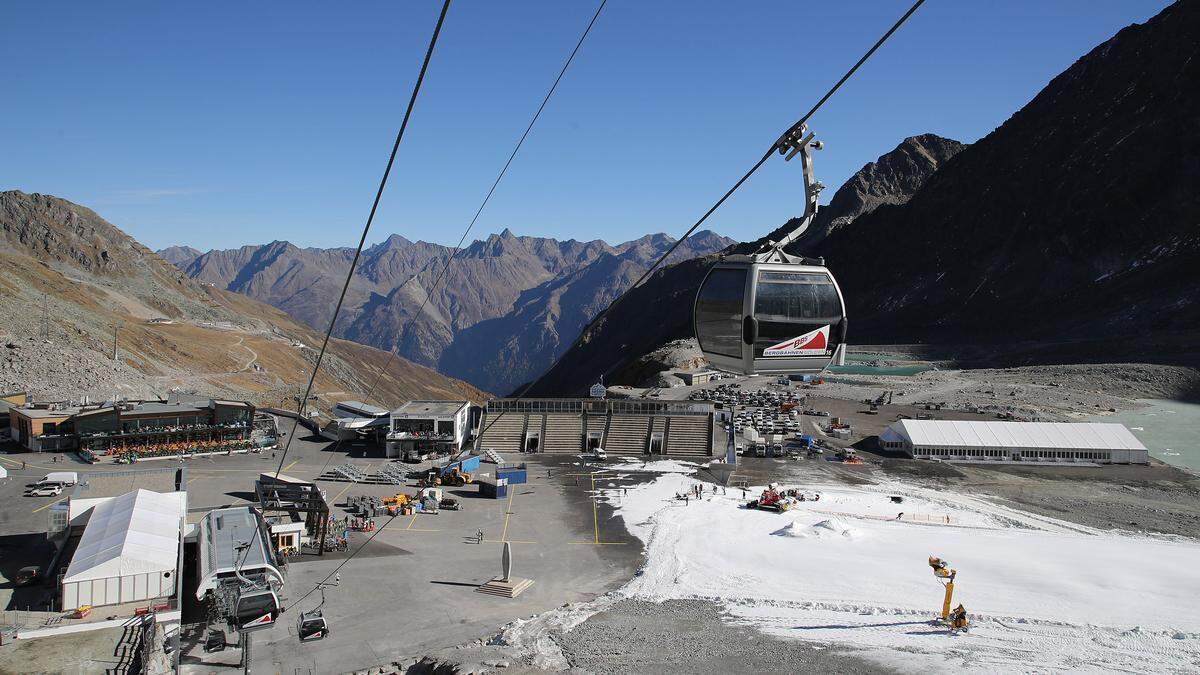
<point>392,243</point>
<point>892,179</point>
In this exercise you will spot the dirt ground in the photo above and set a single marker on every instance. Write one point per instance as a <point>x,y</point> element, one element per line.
<point>1156,498</point>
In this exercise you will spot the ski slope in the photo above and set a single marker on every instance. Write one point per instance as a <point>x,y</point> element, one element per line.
<point>1043,595</point>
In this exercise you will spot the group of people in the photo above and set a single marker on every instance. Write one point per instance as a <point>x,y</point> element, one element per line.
<point>697,492</point>
<point>167,449</point>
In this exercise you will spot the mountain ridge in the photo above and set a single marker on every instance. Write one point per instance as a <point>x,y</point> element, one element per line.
<point>390,306</point>
<point>114,319</point>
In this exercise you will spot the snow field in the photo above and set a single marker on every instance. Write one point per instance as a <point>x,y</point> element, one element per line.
<point>1042,594</point>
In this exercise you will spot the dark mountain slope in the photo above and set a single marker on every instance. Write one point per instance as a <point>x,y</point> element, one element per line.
<point>1069,233</point>
<point>498,354</point>
<point>1075,219</point>
<point>661,309</point>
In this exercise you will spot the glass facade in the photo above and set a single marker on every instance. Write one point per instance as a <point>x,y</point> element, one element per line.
<point>790,304</point>
<point>719,312</point>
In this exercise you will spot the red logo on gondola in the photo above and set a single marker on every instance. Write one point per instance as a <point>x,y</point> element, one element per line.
<point>260,621</point>
<point>812,343</point>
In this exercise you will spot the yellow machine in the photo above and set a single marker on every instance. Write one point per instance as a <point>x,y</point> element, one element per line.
<point>957,619</point>
<point>399,500</point>
<point>457,477</point>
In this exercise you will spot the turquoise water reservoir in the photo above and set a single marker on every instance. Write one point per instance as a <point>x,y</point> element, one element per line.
<point>857,364</point>
<point>1169,429</point>
<point>857,369</point>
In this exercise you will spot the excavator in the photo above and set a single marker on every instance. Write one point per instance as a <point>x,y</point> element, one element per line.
<point>956,620</point>
<point>454,477</point>
<point>457,477</point>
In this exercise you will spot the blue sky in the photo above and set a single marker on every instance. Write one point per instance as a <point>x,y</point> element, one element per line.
<point>220,124</point>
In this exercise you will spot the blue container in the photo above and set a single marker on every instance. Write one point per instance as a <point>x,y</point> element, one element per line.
<point>468,465</point>
<point>514,476</point>
<point>494,490</point>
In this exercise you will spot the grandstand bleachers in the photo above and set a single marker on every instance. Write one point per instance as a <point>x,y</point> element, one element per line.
<point>502,432</point>
<point>627,434</point>
<point>562,426</point>
<point>689,435</point>
<point>564,433</point>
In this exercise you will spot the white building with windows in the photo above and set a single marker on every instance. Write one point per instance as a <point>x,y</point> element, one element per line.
<point>995,441</point>
<point>422,427</point>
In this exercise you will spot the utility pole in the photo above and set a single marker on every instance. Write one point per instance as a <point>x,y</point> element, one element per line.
<point>116,328</point>
<point>45,319</point>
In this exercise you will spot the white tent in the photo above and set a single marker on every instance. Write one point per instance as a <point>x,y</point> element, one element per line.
<point>129,551</point>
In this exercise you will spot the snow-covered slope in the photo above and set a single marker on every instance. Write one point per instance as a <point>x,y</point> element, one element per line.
<point>1043,595</point>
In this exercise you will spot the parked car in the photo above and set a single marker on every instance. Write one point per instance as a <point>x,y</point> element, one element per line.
<point>27,576</point>
<point>44,491</point>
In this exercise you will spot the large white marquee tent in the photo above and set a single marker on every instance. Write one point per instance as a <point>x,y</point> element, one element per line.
<point>1088,442</point>
<point>129,551</point>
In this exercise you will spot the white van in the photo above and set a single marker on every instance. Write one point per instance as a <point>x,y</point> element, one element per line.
<point>63,478</point>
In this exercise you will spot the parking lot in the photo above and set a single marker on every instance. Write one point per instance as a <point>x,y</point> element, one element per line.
<point>412,587</point>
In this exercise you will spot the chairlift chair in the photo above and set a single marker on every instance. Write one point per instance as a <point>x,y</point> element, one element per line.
<point>771,311</point>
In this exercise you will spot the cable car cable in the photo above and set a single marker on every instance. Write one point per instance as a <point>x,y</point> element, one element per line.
<point>362,240</point>
<point>412,100</point>
<point>777,145</point>
<point>458,249</point>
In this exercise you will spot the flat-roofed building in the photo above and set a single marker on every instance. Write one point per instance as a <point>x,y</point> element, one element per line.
<point>424,427</point>
<point>994,441</point>
<point>694,377</point>
<point>572,425</point>
<point>135,428</point>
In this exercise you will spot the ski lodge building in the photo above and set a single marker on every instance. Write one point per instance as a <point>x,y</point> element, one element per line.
<point>572,426</point>
<point>421,427</point>
<point>1041,442</point>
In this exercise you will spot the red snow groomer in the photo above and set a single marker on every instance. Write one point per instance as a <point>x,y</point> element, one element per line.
<point>771,500</point>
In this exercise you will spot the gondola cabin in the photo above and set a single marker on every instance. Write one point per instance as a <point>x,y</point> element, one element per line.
<point>255,610</point>
<point>756,317</point>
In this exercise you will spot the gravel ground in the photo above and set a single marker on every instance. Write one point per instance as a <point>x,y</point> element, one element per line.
<point>1159,498</point>
<point>688,636</point>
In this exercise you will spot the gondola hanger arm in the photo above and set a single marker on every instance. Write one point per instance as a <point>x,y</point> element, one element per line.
<point>797,140</point>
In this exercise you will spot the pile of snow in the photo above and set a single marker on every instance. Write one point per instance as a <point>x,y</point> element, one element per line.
<point>822,529</point>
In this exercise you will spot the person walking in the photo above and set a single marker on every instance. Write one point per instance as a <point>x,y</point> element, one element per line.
<point>337,578</point>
